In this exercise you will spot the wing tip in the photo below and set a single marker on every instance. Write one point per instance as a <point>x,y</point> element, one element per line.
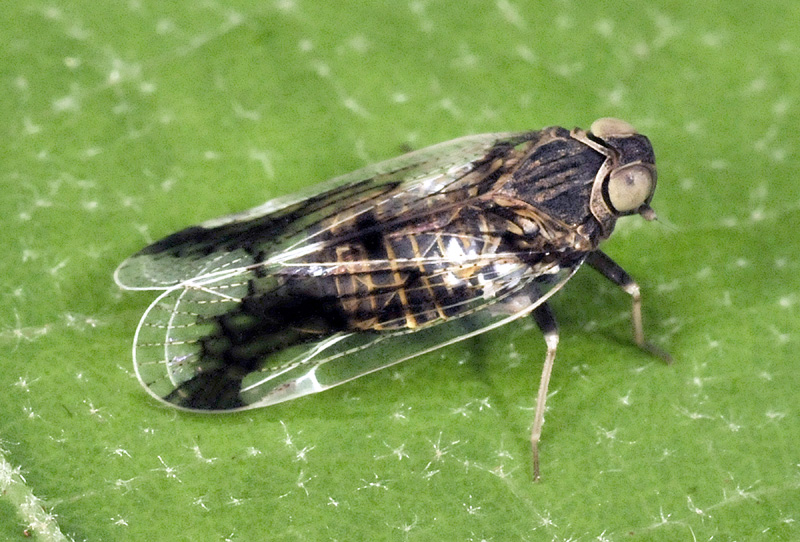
<point>119,275</point>
<point>130,275</point>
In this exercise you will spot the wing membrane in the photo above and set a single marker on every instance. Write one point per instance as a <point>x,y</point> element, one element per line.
<point>372,268</point>
<point>225,243</point>
<point>168,347</point>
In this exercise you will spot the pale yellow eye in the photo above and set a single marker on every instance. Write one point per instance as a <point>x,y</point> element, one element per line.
<point>629,187</point>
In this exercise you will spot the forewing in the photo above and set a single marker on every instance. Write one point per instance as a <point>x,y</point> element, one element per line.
<point>217,337</point>
<point>240,240</point>
<point>172,335</point>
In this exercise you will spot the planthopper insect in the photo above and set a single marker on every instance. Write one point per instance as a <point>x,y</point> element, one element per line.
<point>386,263</point>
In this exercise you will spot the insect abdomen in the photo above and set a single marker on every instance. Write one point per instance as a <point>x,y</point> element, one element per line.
<point>406,278</point>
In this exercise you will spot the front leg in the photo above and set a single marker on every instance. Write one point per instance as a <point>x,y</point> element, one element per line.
<point>613,272</point>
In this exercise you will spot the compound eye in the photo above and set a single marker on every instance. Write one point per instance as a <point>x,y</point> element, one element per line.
<point>630,187</point>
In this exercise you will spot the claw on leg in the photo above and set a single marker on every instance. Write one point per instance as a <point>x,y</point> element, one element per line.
<point>638,328</point>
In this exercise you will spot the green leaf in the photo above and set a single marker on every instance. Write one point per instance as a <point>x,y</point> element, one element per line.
<point>124,121</point>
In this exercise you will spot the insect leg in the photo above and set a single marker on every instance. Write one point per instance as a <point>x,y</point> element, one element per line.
<point>613,272</point>
<point>544,318</point>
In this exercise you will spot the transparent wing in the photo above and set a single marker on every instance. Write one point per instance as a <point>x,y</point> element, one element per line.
<point>172,341</point>
<point>248,238</point>
<point>307,292</point>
